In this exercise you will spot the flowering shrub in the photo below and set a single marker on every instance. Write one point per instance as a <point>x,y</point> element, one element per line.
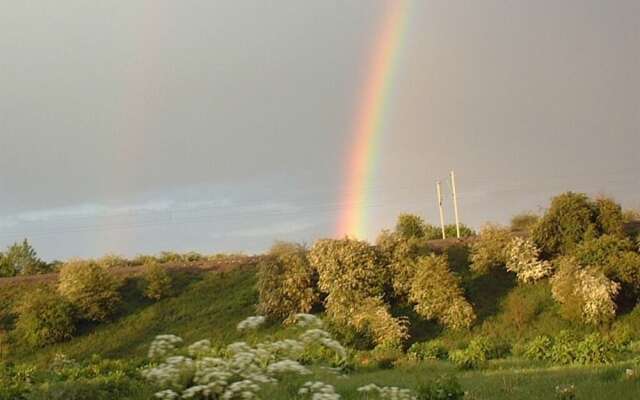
<point>286,282</point>
<point>241,369</point>
<point>489,251</point>
<point>401,254</point>
<point>523,260</point>
<point>158,281</point>
<point>437,294</point>
<point>585,294</point>
<point>353,275</point>
<point>90,288</point>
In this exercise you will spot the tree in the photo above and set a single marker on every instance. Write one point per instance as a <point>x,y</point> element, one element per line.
<point>489,251</point>
<point>585,293</point>
<point>410,226</point>
<point>92,289</point>
<point>524,222</point>
<point>354,276</point>
<point>437,294</point>
<point>22,259</point>
<point>610,218</point>
<point>570,219</point>
<point>286,282</point>
<point>524,260</point>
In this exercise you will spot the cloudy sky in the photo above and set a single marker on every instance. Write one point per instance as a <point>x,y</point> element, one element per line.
<point>139,126</point>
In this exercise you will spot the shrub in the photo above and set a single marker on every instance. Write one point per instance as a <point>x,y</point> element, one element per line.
<point>158,281</point>
<point>451,231</point>
<point>44,318</point>
<point>599,251</point>
<point>400,255</point>
<point>90,288</point>
<point>470,358</point>
<point>523,304</point>
<point>431,350</point>
<point>112,261</point>
<point>373,315</point>
<point>625,268</point>
<point>539,348</point>
<point>523,260</point>
<point>570,219</point>
<point>489,251</point>
<point>594,349</point>
<point>610,218</point>
<point>353,275</point>
<point>443,388</point>
<point>524,222</point>
<point>585,293</point>
<point>564,349</point>
<point>286,282</point>
<point>437,294</point>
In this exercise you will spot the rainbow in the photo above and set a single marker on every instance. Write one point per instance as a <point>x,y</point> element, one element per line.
<point>369,122</point>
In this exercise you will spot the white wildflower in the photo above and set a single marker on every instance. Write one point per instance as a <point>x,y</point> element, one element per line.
<point>163,345</point>
<point>200,347</point>
<point>166,395</point>
<point>319,391</point>
<point>251,323</point>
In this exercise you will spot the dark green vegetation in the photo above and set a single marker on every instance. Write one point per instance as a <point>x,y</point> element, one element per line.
<point>522,342</point>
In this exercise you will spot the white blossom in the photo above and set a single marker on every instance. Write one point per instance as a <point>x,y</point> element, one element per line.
<point>251,323</point>
<point>523,258</point>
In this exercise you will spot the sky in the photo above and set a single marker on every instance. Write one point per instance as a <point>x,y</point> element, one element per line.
<point>217,126</point>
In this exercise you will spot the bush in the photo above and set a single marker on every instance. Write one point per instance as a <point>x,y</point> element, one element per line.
<point>44,318</point>
<point>489,251</point>
<point>443,388</point>
<point>610,218</point>
<point>594,349</point>
<point>564,349</point>
<point>523,260</point>
<point>451,231</point>
<point>400,255</point>
<point>585,293</point>
<point>90,288</point>
<point>524,222</point>
<point>353,275</point>
<point>437,294</point>
<point>599,251</point>
<point>112,261</point>
<point>431,350</point>
<point>523,304</point>
<point>158,281</point>
<point>470,358</point>
<point>539,348</point>
<point>570,219</point>
<point>286,282</point>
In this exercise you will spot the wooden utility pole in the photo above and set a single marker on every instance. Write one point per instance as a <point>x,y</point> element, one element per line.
<point>455,202</point>
<point>444,235</point>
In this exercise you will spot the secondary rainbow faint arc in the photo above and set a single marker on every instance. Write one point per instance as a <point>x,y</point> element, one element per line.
<point>369,124</point>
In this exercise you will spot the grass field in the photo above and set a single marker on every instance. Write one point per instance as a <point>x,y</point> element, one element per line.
<point>211,304</point>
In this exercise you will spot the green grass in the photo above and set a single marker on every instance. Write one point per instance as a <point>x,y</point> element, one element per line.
<point>210,306</point>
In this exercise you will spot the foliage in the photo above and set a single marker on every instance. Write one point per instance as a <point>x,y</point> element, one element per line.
<point>539,348</point>
<point>411,226</point>
<point>450,231</point>
<point>523,259</point>
<point>286,282</point>
<point>21,259</point>
<point>625,268</point>
<point>44,318</point>
<point>585,293</point>
<point>568,348</point>
<point>570,219</point>
<point>472,357</point>
<point>90,288</point>
<point>437,294</point>
<point>489,250</point>
<point>158,281</point>
<point>401,254</point>
<point>524,222</point>
<point>430,350</point>
<point>353,275</point>
<point>610,218</point>
<point>594,349</point>
<point>112,261</point>
<point>442,388</point>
